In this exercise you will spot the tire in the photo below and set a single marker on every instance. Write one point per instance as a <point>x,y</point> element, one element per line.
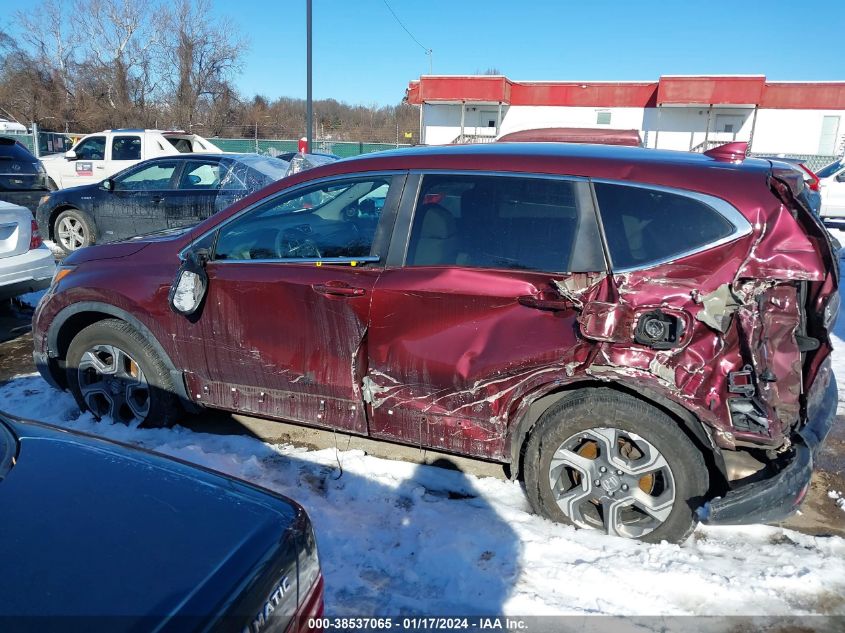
<point>73,229</point>
<point>654,477</point>
<point>113,371</point>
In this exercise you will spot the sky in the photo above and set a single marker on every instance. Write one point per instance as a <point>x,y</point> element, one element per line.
<point>363,56</point>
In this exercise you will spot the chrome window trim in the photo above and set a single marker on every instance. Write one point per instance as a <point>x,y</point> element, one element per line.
<point>365,259</point>
<point>742,226</point>
<point>487,172</point>
<point>283,192</point>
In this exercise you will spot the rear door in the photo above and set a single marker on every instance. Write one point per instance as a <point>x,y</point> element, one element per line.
<point>202,190</point>
<point>478,304</point>
<point>285,318</point>
<point>124,151</point>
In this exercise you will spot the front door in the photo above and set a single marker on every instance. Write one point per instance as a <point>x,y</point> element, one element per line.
<point>833,195</point>
<point>136,204</point>
<point>89,165</point>
<point>483,309</point>
<point>289,291</point>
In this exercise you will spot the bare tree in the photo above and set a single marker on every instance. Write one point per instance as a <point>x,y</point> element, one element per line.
<point>45,35</point>
<point>201,55</point>
<point>121,39</point>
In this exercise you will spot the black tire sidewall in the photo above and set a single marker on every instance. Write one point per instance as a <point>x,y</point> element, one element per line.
<point>164,405</point>
<point>607,408</point>
<point>81,216</point>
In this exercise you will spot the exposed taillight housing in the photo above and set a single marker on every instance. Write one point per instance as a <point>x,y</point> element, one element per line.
<point>813,181</point>
<point>35,237</point>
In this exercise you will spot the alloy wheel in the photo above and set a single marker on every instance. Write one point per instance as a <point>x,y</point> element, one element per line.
<point>71,233</point>
<point>112,384</point>
<point>612,480</point>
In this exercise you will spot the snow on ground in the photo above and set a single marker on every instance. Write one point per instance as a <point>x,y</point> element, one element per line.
<point>399,538</point>
<point>838,497</point>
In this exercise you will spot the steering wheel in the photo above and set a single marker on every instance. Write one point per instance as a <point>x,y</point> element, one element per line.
<point>294,243</point>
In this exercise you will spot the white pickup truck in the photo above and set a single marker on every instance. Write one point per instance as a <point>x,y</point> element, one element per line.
<point>98,156</point>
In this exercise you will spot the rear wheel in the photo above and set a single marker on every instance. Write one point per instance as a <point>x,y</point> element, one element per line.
<point>604,460</point>
<point>73,230</point>
<point>114,372</point>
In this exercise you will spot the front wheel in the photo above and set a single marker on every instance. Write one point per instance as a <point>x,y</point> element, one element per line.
<point>114,372</point>
<point>604,460</point>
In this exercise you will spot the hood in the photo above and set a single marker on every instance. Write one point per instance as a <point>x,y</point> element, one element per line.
<point>114,250</point>
<point>52,158</point>
<point>94,528</point>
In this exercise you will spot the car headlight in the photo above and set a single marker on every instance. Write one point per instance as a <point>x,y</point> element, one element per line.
<point>62,271</point>
<point>44,199</point>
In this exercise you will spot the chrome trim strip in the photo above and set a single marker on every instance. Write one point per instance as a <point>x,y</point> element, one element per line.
<point>742,226</point>
<point>366,259</point>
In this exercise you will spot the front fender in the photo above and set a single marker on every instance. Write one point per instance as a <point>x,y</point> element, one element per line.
<point>57,337</point>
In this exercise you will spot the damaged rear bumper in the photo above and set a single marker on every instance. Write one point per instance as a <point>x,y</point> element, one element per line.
<point>777,497</point>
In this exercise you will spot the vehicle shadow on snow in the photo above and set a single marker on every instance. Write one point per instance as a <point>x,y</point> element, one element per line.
<point>395,538</point>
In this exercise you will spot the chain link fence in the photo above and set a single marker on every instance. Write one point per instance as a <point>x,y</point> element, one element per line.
<point>54,142</point>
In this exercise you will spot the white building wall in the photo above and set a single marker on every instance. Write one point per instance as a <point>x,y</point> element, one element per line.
<point>794,131</point>
<point>667,127</point>
<point>443,121</point>
<point>531,117</point>
<point>686,127</point>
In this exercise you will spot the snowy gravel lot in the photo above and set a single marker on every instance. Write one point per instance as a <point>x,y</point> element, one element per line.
<point>399,539</point>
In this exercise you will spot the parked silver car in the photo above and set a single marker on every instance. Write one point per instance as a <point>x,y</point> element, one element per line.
<point>26,264</point>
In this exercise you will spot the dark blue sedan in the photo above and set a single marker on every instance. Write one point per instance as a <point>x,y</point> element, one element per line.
<point>100,536</point>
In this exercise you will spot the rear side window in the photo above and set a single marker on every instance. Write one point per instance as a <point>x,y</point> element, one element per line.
<point>201,175</point>
<point>126,148</point>
<point>646,226</point>
<point>503,222</point>
<point>15,151</point>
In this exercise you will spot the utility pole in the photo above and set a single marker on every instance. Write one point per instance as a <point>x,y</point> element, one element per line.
<point>309,114</point>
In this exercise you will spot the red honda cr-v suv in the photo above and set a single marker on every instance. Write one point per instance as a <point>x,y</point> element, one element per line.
<point>641,335</point>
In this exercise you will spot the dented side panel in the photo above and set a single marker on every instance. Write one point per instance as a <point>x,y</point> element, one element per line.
<point>451,349</point>
<point>281,348</point>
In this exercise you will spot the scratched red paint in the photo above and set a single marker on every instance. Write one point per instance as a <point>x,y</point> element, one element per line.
<point>452,358</point>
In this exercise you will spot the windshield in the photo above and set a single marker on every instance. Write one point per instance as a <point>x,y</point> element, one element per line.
<point>829,170</point>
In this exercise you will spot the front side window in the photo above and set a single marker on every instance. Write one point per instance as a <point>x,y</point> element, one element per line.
<point>336,219</point>
<point>645,226</point>
<point>519,223</point>
<point>153,177</point>
<point>126,148</point>
<point>92,148</point>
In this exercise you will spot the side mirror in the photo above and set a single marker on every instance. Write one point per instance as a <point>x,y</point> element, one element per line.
<point>189,287</point>
<point>107,184</point>
<point>70,155</point>
<point>840,177</point>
